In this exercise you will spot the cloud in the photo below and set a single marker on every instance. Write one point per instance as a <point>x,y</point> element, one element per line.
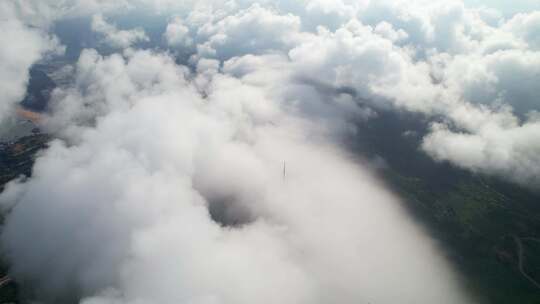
<point>506,151</point>
<point>471,78</point>
<point>430,57</point>
<point>225,180</point>
<point>25,33</point>
<point>177,34</point>
<point>527,27</point>
<point>23,46</point>
<point>127,200</point>
<point>117,38</point>
<point>250,31</point>
<point>506,8</point>
<point>506,77</point>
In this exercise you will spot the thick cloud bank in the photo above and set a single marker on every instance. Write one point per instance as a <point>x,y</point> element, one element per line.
<point>223,179</point>
<point>122,214</point>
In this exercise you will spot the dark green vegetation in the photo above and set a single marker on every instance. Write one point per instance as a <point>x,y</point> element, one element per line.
<point>17,158</point>
<point>479,220</point>
<point>9,293</point>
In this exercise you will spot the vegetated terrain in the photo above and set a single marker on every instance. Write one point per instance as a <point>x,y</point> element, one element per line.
<point>490,228</point>
<point>17,158</point>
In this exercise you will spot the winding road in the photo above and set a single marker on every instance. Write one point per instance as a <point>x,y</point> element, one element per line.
<point>4,280</point>
<point>519,244</point>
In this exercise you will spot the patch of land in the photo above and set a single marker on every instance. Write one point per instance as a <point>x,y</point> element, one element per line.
<point>477,219</point>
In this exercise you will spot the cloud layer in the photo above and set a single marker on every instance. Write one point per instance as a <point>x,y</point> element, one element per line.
<point>223,179</point>
<point>127,203</point>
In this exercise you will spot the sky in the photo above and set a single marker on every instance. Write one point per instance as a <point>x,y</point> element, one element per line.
<point>165,182</point>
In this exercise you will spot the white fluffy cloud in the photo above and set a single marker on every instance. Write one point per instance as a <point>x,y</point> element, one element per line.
<point>154,154</point>
<point>509,152</point>
<point>527,27</point>
<point>127,201</point>
<point>117,38</point>
<point>22,46</point>
<point>254,30</point>
<point>177,34</point>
